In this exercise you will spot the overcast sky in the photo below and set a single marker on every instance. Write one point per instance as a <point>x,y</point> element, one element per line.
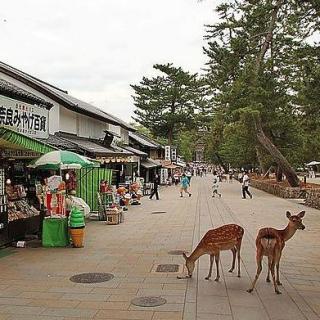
<point>96,48</point>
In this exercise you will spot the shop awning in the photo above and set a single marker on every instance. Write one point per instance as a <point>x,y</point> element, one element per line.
<point>10,139</point>
<point>149,163</point>
<point>181,164</point>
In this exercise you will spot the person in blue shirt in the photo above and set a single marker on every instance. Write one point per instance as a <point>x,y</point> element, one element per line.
<point>185,183</point>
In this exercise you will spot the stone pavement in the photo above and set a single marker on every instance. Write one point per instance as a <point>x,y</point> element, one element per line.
<point>35,281</point>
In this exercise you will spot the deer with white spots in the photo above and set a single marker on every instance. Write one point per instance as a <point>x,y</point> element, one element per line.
<point>227,237</point>
<point>270,242</point>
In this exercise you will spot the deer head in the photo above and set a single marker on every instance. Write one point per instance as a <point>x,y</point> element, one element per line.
<point>296,221</point>
<point>189,264</point>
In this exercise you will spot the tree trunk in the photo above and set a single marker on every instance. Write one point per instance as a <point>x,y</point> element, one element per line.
<point>221,163</point>
<point>279,174</point>
<point>262,164</point>
<point>170,136</point>
<point>262,138</point>
<point>281,161</point>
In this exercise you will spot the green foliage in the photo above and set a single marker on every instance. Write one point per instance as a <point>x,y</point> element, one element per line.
<point>146,132</point>
<point>281,90</point>
<point>186,141</point>
<point>169,102</point>
<point>237,148</point>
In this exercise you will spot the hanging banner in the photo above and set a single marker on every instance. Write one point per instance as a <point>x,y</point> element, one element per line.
<point>173,154</point>
<point>28,119</point>
<point>167,153</point>
<point>163,175</point>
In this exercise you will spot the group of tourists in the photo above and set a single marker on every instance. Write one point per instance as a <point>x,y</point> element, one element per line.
<point>218,177</point>
<point>243,178</point>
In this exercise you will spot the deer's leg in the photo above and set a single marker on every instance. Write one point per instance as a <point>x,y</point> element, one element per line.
<point>217,258</point>
<point>233,259</point>
<point>210,269</point>
<point>271,265</point>
<point>259,269</point>
<point>277,266</point>
<point>238,254</point>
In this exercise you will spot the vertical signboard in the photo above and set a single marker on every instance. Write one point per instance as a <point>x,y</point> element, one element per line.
<point>167,153</point>
<point>173,154</point>
<point>163,175</point>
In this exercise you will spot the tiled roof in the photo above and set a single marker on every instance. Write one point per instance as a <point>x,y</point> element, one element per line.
<point>144,141</point>
<point>62,97</point>
<point>94,147</point>
<point>10,90</point>
<point>135,151</point>
<point>149,163</point>
<point>60,143</point>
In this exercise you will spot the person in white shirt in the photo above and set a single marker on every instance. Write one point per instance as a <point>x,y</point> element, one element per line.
<point>245,186</point>
<point>215,185</point>
<point>188,175</point>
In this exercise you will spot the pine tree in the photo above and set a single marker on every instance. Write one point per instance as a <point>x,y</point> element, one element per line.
<point>169,102</point>
<point>252,72</point>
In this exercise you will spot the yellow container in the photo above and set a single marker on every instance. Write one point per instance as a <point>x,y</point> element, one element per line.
<point>77,236</point>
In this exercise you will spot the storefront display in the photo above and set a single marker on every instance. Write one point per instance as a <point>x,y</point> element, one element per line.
<point>20,211</point>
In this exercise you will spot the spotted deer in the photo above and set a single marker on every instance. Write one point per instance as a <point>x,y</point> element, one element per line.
<point>227,237</point>
<point>270,242</point>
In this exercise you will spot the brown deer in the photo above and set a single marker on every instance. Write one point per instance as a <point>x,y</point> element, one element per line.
<point>227,237</point>
<point>270,242</point>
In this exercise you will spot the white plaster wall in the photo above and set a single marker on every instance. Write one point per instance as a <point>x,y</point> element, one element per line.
<point>124,135</point>
<point>115,129</point>
<point>62,119</point>
<point>54,114</point>
<point>68,121</point>
<point>91,128</point>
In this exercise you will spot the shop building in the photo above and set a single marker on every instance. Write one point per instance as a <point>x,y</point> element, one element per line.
<point>79,126</point>
<point>24,120</point>
<point>150,165</point>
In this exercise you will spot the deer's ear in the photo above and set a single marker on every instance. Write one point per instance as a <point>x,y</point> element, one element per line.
<point>184,255</point>
<point>288,214</point>
<point>301,214</point>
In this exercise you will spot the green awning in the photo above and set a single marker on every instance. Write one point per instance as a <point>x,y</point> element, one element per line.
<point>10,139</point>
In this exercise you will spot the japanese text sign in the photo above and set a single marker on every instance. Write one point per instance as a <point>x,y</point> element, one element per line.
<point>25,118</point>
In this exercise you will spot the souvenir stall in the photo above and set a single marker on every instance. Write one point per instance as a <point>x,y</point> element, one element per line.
<point>53,195</point>
<point>110,208</point>
<point>55,224</point>
<point>114,201</point>
<point>20,212</point>
<point>24,119</point>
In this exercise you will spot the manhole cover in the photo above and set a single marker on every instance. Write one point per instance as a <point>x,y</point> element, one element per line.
<point>148,301</point>
<point>167,268</point>
<point>91,277</point>
<point>158,212</point>
<point>177,252</point>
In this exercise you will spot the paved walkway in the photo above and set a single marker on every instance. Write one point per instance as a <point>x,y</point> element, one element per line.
<point>35,281</point>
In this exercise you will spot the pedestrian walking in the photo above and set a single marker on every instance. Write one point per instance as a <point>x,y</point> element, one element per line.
<point>215,185</point>
<point>230,176</point>
<point>176,178</point>
<point>184,185</point>
<point>189,175</point>
<point>245,186</point>
<point>156,182</point>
